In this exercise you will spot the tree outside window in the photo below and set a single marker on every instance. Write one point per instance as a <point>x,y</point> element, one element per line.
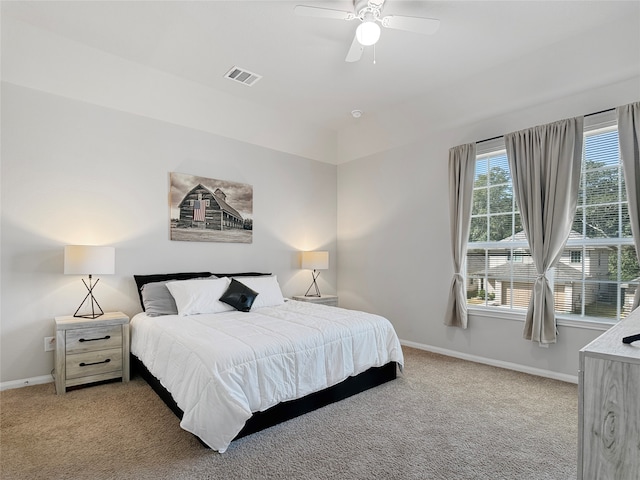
<point>597,274</point>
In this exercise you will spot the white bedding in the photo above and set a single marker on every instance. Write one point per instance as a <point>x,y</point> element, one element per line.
<point>222,367</point>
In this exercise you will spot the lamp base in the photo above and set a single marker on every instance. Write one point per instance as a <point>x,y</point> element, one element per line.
<point>89,315</point>
<point>315,274</point>
<point>95,312</point>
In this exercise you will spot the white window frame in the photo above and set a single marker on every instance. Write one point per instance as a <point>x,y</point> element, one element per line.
<point>496,147</point>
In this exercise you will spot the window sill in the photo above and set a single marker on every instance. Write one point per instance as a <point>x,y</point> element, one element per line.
<point>562,321</point>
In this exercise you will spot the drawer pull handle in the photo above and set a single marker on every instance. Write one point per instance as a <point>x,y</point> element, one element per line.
<point>106,337</point>
<point>631,338</point>
<point>82,364</point>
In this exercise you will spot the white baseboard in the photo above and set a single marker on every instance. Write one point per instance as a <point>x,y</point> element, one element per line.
<point>494,363</point>
<point>25,382</point>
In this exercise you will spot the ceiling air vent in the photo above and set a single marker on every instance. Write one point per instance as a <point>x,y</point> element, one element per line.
<point>243,76</point>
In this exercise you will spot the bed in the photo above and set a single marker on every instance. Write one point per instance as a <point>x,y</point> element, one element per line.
<point>230,356</point>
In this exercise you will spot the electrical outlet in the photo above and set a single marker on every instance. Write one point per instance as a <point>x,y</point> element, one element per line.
<point>49,344</point>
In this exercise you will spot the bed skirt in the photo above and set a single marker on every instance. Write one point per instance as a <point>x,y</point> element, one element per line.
<point>287,410</point>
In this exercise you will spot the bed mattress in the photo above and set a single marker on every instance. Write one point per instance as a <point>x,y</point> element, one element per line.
<point>220,368</point>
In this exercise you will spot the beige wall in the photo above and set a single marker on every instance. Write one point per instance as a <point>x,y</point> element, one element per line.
<point>393,240</point>
<point>76,173</point>
<point>88,140</point>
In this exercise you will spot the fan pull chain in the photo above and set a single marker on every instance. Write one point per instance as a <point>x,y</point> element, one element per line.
<point>374,53</point>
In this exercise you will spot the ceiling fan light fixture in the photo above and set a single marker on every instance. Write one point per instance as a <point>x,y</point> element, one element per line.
<point>368,33</point>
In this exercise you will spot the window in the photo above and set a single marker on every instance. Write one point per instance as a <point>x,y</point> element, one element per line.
<point>576,256</point>
<point>498,260</point>
<point>598,272</point>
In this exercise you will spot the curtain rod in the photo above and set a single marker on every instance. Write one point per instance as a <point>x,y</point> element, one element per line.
<point>601,111</point>
<point>587,115</point>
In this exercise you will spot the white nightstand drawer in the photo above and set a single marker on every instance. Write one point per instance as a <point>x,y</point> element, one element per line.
<point>94,363</point>
<point>94,338</point>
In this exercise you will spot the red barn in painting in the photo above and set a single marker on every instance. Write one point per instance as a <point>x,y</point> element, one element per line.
<point>202,208</point>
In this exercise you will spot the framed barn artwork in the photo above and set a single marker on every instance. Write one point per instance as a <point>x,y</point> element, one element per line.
<point>210,210</point>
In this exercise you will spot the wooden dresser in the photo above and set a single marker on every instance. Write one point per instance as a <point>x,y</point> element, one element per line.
<point>330,300</point>
<point>91,350</point>
<point>609,405</point>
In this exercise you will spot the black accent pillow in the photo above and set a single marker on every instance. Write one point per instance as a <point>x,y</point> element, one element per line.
<point>239,296</point>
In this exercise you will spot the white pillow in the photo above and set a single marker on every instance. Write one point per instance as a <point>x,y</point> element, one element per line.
<point>199,296</point>
<point>268,288</point>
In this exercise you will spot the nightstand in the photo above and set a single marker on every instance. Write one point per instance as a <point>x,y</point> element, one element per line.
<point>91,350</point>
<point>330,300</point>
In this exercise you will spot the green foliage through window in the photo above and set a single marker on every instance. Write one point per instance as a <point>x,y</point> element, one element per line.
<point>598,272</point>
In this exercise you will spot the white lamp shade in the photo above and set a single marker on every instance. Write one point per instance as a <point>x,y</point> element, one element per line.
<point>315,260</point>
<point>89,260</point>
<point>368,33</point>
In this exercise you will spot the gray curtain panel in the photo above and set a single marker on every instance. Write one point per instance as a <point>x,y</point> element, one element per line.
<point>545,163</point>
<point>629,135</point>
<point>462,161</point>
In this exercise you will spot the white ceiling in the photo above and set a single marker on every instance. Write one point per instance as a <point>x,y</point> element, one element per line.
<point>302,59</point>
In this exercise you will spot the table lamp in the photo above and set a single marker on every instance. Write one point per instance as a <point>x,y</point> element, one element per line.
<point>315,261</point>
<point>89,260</point>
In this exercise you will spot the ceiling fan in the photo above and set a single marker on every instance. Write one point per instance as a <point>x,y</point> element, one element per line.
<point>368,12</point>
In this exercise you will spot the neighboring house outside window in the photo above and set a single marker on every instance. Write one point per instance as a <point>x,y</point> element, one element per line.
<point>598,272</point>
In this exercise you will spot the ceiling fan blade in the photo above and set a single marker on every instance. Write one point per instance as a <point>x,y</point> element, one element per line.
<point>355,52</point>
<point>306,11</point>
<point>426,26</point>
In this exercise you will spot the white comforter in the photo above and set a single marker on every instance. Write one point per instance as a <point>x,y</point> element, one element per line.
<point>222,367</point>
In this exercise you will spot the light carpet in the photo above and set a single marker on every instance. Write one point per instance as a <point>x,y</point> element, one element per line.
<point>443,418</point>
